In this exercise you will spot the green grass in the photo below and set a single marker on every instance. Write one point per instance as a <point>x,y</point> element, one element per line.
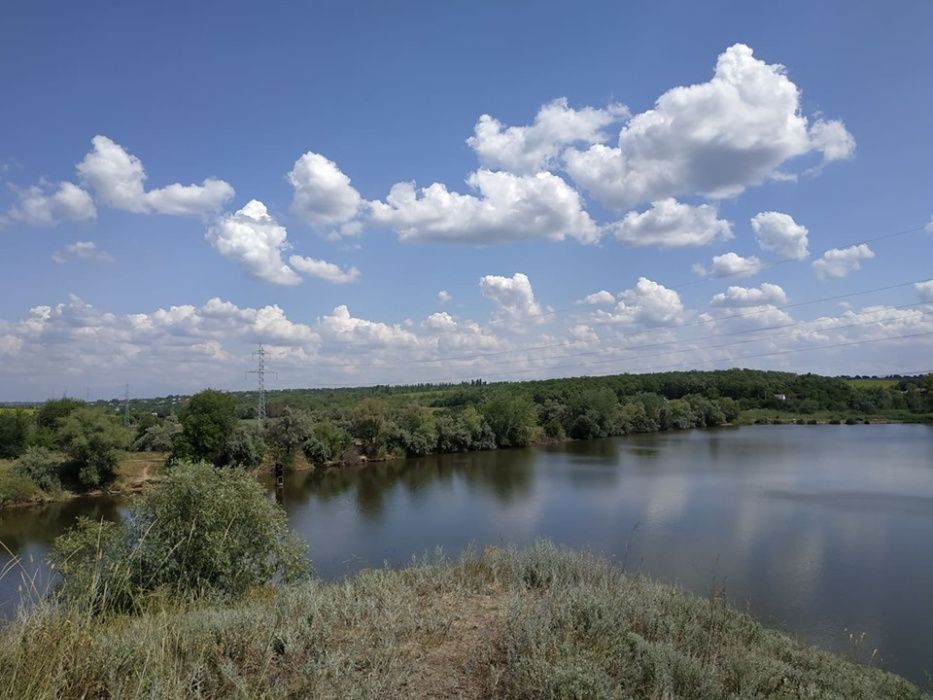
<point>541,623</point>
<point>872,383</point>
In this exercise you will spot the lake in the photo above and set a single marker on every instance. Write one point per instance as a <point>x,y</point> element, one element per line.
<point>823,531</point>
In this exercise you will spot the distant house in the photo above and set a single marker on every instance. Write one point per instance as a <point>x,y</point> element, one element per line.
<point>780,397</point>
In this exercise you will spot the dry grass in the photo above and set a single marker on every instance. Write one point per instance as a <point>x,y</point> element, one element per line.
<point>541,623</point>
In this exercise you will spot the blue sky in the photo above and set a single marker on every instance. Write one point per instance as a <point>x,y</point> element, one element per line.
<point>676,128</point>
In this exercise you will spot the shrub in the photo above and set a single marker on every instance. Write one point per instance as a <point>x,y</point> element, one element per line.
<point>159,437</point>
<point>93,441</point>
<point>201,532</point>
<point>245,448</point>
<point>39,466</point>
<point>16,488</point>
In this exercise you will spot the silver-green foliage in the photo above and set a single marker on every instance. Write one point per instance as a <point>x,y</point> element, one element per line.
<point>202,531</point>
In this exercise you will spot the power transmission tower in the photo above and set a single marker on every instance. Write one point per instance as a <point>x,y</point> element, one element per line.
<point>260,373</point>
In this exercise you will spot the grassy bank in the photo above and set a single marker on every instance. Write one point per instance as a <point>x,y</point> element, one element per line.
<point>542,623</point>
<point>135,470</point>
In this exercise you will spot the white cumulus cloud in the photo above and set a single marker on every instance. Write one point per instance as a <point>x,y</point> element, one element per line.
<point>508,207</point>
<point>670,224</point>
<point>118,180</point>
<point>925,290</point>
<point>714,138</point>
<point>443,296</point>
<point>648,303</point>
<point>839,262</point>
<point>765,294</point>
<point>254,239</point>
<point>731,265</point>
<point>529,149</point>
<point>779,233</point>
<point>324,270</point>
<point>46,204</point>
<point>323,195</point>
<point>513,296</point>
<point>600,297</point>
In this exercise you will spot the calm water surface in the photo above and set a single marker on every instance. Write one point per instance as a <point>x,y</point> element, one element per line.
<point>820,530</point>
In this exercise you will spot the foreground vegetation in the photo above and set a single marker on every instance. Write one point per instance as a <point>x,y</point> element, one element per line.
<point>67,446</point>
<point>541,623</point>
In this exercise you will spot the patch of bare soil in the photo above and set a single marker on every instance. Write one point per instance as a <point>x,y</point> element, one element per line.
<point>453,665</point>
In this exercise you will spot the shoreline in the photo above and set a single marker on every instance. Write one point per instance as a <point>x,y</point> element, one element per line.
<point>138,483</point>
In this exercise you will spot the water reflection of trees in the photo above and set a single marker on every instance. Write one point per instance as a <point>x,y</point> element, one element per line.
<point>505,474</point>
<point>21,527</point>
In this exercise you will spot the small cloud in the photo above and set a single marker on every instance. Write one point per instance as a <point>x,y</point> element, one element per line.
<point>839,262</point>
<point>443,296</point>
<point>600,297</point>
<point>730,265</point>
<point>324,270</point>
<point>82,250</point>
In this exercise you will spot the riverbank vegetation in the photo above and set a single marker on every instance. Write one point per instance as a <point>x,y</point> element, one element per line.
<point>203,594</point>
<point>66,446</point>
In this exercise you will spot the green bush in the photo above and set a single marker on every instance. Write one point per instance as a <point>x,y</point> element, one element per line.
<point>39,466</point>
<point>202,531</point>
<point>159,437</point>
<point>16,488</point>
<point>93,440</point>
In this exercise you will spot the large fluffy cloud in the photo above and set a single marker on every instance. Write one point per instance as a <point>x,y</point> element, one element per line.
<point>507,207</point>
<point>839,262</point>
<point>529,149</point>
<point>779,233</point>
<point>118,180</point>
<point>47,205</point>
<point>323,195</point>
<point>731,265</point>
<point>670,224</point>
<point>254,239</point>
<point>714,138</point>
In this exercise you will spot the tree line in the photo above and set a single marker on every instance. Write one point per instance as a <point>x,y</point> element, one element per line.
<point>66,443</point>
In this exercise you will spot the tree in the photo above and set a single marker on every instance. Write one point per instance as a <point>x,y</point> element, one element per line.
<point>93,441</point>
<point>370,426</point>
<point>286,434</point>
<point>200,532</point>
<point>245,448</point>
<point>15,427</point>
<point>159,437</point>
<point>207,421</point>
<point>512,419</point>
<point>50,417</point>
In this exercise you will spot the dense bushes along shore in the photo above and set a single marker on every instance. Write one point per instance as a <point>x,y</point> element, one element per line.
<point>68,444</point>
